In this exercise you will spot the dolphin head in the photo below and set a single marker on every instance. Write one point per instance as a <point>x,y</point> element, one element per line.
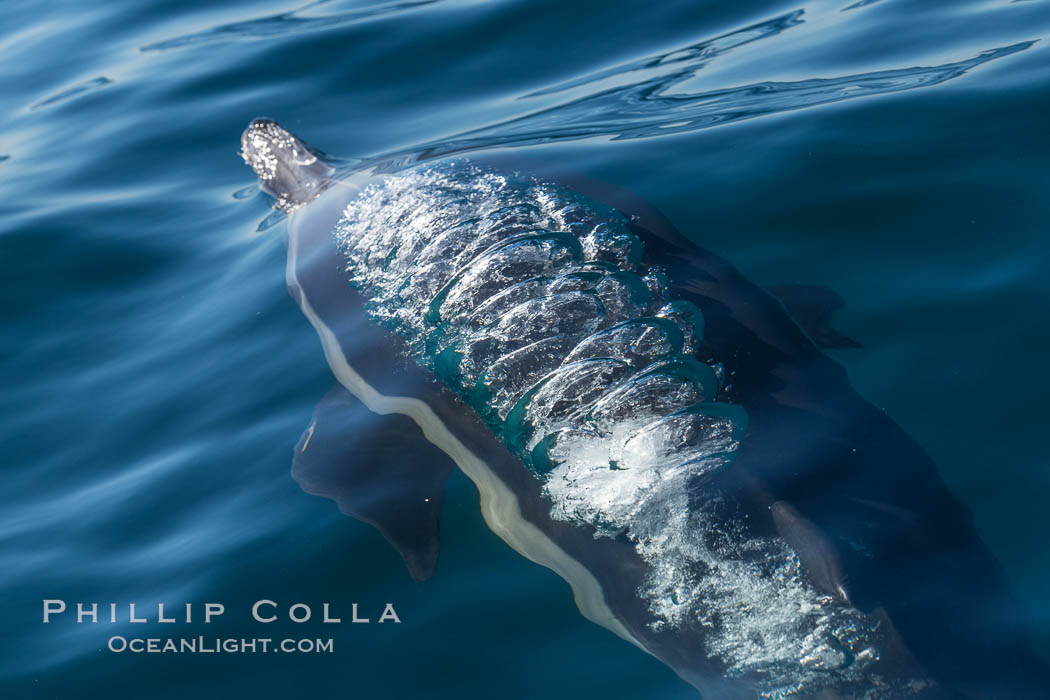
<point>287,168</point>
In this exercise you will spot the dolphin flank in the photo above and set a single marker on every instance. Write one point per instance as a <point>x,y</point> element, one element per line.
<point>639,418</point>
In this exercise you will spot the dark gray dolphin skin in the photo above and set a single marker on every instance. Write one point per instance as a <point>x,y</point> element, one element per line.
<point>873,524</point>
<point>378,469</point>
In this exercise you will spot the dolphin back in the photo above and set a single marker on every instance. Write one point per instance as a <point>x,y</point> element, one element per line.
<point>661,422</point>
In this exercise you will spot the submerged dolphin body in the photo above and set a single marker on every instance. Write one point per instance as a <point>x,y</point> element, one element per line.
<point>640,419</point>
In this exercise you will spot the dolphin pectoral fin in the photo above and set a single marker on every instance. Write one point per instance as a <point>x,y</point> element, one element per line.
<point>379,469</point>
<point>813,307</point>
<point>816,553</point>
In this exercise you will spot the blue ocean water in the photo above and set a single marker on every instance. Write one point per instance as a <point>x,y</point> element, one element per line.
<point>157,376</point>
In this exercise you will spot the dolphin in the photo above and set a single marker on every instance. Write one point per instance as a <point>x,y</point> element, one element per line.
<point>663,434</point>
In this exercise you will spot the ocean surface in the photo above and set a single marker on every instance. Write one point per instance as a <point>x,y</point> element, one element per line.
<point>156,375</point>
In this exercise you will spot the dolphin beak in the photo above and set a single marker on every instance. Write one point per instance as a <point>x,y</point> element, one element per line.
<point>287,168</point>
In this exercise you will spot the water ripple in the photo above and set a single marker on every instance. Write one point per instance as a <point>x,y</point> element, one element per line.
<point>284,23</point>
<point>694,56</point>
<point>643,109</point>
<point>859,4</point>
<point>75,91</point>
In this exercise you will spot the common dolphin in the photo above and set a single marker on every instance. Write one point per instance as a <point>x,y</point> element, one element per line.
<point>641,419</point>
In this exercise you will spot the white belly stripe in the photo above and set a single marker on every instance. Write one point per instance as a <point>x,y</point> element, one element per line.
<point>499,505</point>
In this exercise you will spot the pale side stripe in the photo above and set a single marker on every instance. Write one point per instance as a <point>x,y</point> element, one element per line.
<point>499,506</point>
